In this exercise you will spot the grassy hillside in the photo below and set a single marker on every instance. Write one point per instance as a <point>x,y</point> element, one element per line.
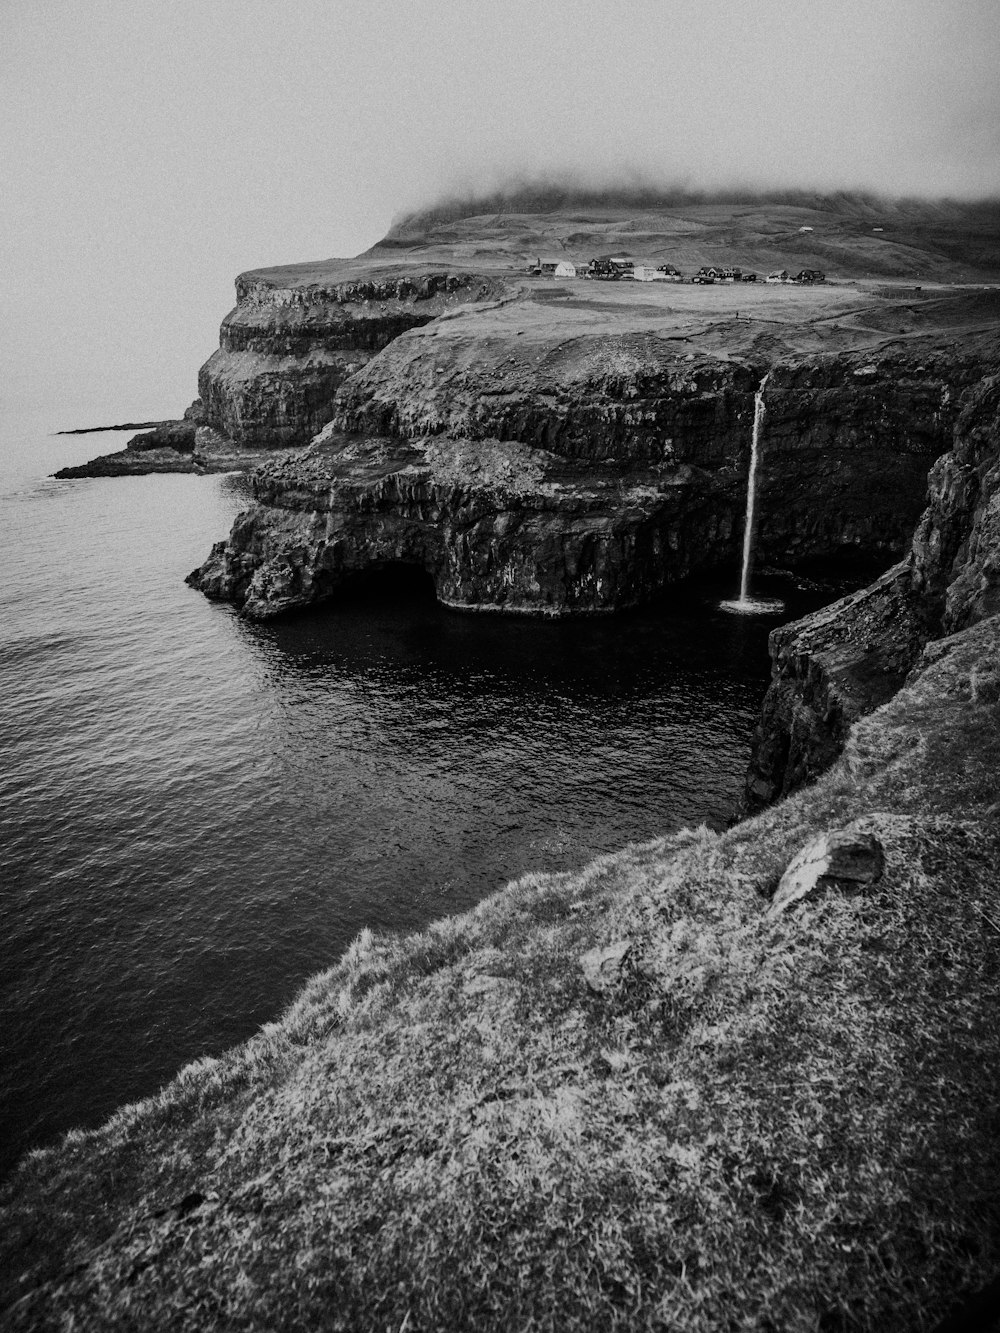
<point>632,1097</point>
<point>935,240</point>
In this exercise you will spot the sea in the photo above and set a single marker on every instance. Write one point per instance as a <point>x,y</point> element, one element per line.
<point>197,813</point>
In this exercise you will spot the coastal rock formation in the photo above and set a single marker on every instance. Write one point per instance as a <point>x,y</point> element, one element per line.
<point>168,447</point>
<point>496,525</point>
<point>288,346</point>
<point>636,1095</point>
<point>845,660</point>
<point>528,467</point>
<point>173,446</point>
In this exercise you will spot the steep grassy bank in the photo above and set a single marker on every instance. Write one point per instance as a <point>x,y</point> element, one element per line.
<point>722,1118</point>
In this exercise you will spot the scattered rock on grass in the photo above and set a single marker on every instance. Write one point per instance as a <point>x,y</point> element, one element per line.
<point>843,859</point>
<point>602,967</point>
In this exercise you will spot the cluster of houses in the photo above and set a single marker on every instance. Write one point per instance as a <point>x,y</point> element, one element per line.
<point>613,268</point>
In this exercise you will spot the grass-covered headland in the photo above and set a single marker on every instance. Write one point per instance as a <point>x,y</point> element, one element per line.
<point>723,1118</point>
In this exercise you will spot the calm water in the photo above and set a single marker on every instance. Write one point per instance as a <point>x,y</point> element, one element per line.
<point>197,813</point>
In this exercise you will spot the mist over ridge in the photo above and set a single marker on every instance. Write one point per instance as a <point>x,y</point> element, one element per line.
<point>550,192</point>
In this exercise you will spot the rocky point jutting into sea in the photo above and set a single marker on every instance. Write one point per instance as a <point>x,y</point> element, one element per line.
<point>720,1080</point>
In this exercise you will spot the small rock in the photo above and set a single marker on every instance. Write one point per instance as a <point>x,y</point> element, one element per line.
<point>602,968</point>
<point>840,860</point>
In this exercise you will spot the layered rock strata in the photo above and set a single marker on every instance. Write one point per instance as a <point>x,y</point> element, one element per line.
<point>286,348</point>
<point>842,662</point>
<point>551,471</point>
<point>497,525</point>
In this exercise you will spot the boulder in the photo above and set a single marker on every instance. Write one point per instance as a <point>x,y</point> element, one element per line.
<point>843,859</point>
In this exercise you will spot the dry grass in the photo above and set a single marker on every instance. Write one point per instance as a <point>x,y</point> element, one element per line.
<point>771,1125</point>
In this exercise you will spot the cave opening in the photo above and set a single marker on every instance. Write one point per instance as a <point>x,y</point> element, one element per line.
<point>388,581</point>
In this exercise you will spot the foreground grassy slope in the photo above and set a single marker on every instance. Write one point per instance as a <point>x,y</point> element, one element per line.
<point>738,1121</point>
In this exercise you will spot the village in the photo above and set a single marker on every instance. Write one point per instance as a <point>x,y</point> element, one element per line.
<point>614,268</point>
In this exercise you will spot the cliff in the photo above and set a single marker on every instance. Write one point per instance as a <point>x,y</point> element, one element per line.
<point>287,346</point>
<point>577,451</point>
<point>842,662</point>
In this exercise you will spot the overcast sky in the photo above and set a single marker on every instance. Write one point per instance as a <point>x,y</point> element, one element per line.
<point>150,151</point>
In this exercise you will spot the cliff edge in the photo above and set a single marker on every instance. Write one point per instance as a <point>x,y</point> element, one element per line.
<point>840,663</point>
<point>559,446</point>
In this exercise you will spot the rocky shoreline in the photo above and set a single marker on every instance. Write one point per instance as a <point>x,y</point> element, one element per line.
<point>185,445</point>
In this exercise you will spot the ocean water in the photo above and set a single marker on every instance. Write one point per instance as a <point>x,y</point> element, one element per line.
<point>196,813</point>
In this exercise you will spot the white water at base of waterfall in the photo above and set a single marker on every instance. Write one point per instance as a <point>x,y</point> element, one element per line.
<point>753,606</point>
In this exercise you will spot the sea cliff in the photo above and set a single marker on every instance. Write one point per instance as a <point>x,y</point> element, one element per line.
<point>532,454</point>
<point>842,662</point>
<point>721,1080</point>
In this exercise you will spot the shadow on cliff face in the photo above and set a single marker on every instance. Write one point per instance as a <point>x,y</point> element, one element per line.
<point>393,581</point>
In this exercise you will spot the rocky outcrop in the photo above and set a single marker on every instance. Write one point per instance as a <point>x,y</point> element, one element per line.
<point>496,525</point>
<point>532,469</point>
<point>844,860</point>
<point>842,662</point>
<point>187,445</point>
<point>955,560</point>
<point>169,447</point>
<point>288,345</point>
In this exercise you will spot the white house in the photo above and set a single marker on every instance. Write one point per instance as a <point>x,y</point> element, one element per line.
<point>646,273</point>
<point>564,269</point>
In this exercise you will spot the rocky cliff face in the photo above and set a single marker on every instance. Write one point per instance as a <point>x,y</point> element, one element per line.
<point>497,526</point>
<point>839,664</point>
<point>533,465</point>
<point>286,348</point>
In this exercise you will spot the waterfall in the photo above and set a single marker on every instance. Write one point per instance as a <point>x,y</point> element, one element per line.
<point>745,604</point>
<point>758,422</point>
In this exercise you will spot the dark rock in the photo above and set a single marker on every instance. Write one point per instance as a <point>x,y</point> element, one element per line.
<point>122,425</point>
<point>839,664</point>
<point>178,435</point>
<point>286,348</point>
<point>846,859</point>
<point>577,477</point>
<point>175,446</point>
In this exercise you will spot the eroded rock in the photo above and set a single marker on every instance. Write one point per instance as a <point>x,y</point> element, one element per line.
<point>844,859</point>
<point>839,664</point>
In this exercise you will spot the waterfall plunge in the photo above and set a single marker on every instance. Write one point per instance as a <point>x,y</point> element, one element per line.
<point>745,602</point>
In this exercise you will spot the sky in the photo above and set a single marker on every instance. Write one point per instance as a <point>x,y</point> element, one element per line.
<point>150,151</point>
